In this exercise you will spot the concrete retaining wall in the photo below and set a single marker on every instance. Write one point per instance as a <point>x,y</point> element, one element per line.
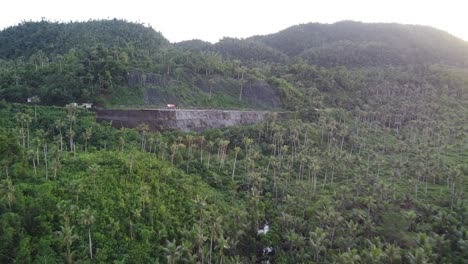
<point>185,120</point>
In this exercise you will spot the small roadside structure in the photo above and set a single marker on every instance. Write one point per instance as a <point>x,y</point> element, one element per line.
<point>86,105</point>
<point>33,100</point>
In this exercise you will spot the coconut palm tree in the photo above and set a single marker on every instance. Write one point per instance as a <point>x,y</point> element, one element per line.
<point>66,238</point>
<point>318,241</point>
<point>143,129</point>
<point>35,100</point>
<point>392,254</point>
<point>7,189</point>
<point>173,252</point>
<point>56,164</point>
<point>236,151</point>
<point>59,125</point>
<point>87,219</point>
<point>71,135</point>
<point>373,254</point>
<point>199,240</point>
<point>210,147</point>
<point>222,245</point>
<point>350,257</point>
<point>417,256</point>
<point>87,136</point>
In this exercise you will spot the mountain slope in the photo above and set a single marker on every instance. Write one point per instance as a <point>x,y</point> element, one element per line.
<point>370,167</point>
<point>58,38</point>
<point>410,44</point>
<point>114,62</point>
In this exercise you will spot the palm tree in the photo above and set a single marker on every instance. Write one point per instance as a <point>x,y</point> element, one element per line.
<point>24,121</point>
<point>199,240</point>
<point>373,254</point>
<point>210,146</point>
<point>151,140</point>
<point>242,70</point>
<point>216,228</point>
<point>236,151</point>
<point>35,100</point>
<point>87,219</point>
<point>173,252</point>
<point>59,124</point>
<point>276,165</point>
<point>93,170</point>
<point>296,242</point>
<point>122,142</point>
<point>315,170</point>
<point>145,196</point>
<point>248,145</point>
<point>87,136</point>
<point>67,237</point>
<point>71,134</point>
<point>350,257</point>
<point>201,140</point>
<point>317,242</point>
<point>221,246</point>
<point>31,154</point>
<point>411,216</point>
<point>135,215</point>
<point>72,111</point>
<point>174,148</point>
<point>417,256</point>
<point>211,84</point>
<point>222,147</point>
<point>143,129</point>
<point>7,189</point>
<point>56,155</point>
<point>392,254</point>
<point>42,137</point>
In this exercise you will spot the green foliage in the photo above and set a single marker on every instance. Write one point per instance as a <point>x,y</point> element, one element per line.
<point>369,166</point>
<point>289,95</point>
<point>339,190</point>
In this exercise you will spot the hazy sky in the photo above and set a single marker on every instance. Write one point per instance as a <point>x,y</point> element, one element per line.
<point>211,20</point>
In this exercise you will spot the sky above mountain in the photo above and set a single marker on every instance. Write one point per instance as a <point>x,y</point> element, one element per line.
<point>211,20</point>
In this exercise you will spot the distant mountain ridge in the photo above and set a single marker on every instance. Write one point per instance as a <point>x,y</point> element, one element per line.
<point>343,43</point>
<point>355,43</point>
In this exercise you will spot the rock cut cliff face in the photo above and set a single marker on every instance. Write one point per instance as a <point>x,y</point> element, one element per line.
<point>260,92</point>
<point>161,90</point>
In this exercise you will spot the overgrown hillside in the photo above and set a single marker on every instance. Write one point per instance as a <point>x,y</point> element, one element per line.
<point>346,189</point>
<point>114,62</point>
<point>371,167</point>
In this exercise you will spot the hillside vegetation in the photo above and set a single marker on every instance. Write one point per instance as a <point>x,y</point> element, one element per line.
<point>370,168</point>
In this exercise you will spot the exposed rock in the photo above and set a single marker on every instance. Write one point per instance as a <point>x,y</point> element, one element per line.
<point>260,92</point>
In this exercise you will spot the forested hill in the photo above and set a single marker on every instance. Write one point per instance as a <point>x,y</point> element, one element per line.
<point>115,62</point>
<point>370,168</point>
<point>53,38</point>
<point>360,44</point>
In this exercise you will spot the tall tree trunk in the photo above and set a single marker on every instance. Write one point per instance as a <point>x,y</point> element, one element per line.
<point>34,165</point>
<point>46,162</point>
<point>90,244</point>
<point>234,167</point>
<point>211,245</point>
